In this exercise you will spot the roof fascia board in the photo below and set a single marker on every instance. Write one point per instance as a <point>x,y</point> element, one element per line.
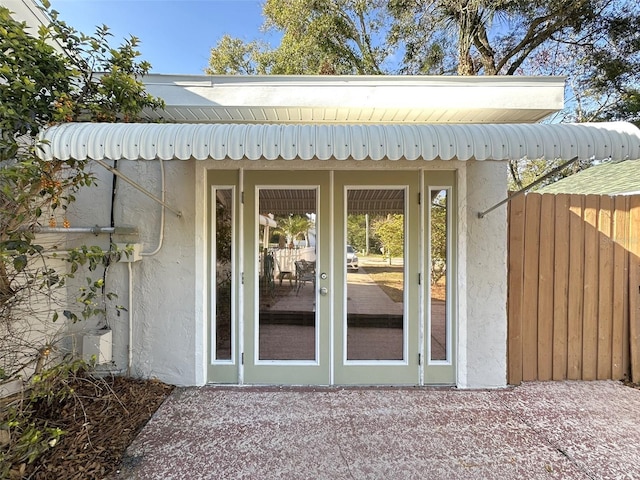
<point>540,95</point>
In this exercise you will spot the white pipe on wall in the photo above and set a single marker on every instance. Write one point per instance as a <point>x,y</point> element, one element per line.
<point>162,214</point>
<point>130,317</point>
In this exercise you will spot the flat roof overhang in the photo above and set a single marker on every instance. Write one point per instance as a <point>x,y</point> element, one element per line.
<point>355,99</point>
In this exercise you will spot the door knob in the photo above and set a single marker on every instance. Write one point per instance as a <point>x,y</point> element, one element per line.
<point>324,291</point>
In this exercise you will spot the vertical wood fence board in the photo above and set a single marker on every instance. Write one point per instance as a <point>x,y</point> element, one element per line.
<point>530,288</point>
<point>605,288</point>
<point>620,306</point>
<point>634,287</point>
<point>590,325</point>
<point>515,293</point>
<point>545,288</point>
<point>576,288</point>
<point>560,287</point>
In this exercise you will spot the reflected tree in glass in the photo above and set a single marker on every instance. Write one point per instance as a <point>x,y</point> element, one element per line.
<point>375,291</point>
<point>223,254</point>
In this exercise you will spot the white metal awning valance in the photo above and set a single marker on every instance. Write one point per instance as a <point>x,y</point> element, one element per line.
<point>617,140</point>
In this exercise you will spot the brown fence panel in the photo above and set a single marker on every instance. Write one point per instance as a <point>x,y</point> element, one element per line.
<point>561,287</point>
<point>530,288</point>
<point>516,276</point>
<point>576,287</point>
<point>620,326</point>
<point>605,289</point>
<point>545,288</point>
<point>590,298</point>
<point>574,279</point>
<point>634,286</point>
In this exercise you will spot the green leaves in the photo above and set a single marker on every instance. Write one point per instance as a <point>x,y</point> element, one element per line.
<point>319,37</point>
<point>390,231</point>
<point>20,262</point>
<point>48,76</point>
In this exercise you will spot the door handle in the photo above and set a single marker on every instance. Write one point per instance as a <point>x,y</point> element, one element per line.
<point>324,291</point>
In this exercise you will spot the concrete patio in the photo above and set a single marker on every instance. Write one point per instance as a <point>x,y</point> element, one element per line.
<point>563,430</point>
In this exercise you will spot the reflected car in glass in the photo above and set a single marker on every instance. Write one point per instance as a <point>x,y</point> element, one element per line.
<point>352,258</point>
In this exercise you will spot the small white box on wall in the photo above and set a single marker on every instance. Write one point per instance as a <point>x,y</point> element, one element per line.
<point>129,252</point>
<point>98,343</point>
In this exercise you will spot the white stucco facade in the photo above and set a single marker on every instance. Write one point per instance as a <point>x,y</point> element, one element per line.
<point>169,294</point>
<point>245,127</point>
<point>467,126</point>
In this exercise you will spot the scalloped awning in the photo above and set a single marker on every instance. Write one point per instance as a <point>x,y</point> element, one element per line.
<point>617,140</point>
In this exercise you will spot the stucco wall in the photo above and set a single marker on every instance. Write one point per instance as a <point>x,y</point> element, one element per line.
<point>482,344</point>
<point>163,318</point>
<point>169,288</point>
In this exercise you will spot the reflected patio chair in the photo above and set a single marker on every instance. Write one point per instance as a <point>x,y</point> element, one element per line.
<point>282,274</point>
<point>267,275</point>
<point>305,272</point>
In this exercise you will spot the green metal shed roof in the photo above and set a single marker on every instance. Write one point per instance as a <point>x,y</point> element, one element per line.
<point>611,178</point>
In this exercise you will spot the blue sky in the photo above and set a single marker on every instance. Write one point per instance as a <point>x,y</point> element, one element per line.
<point>176,35</point>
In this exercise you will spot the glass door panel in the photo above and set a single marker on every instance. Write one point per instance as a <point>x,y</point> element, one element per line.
<point>375,282</point>
<point>222,306</point>
<point>286,322</point>
<point>222,297</point>
<point>440,331</point>
<point>287,293</point>
<point>376,320</point>
<point>439,327</point>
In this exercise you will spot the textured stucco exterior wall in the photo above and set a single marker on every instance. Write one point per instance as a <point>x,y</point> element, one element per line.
<point>482,248</point>
<point>170,288</point>
<point>164,321</point>
<point>163,314</point>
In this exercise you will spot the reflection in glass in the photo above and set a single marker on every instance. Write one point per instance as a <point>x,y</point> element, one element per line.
<point>287,274</point>
<point>438,215</point>
<point>375,278</point>
<point>223,256</point>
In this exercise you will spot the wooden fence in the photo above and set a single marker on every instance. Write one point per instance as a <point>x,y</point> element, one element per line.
<point>574,287</point>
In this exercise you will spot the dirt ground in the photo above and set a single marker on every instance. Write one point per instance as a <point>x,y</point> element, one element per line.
<point>100,422</point>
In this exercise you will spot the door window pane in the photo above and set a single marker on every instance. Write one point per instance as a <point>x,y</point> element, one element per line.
<point>287,274</point>
<point>374,260</point>
<point>439,238</point>
<point>223,273</point>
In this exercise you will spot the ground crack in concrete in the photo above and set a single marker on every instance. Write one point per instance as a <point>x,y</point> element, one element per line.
<point>545,438</point>
<point>339,443</point>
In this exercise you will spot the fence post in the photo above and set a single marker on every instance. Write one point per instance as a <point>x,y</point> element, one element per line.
<point>516,272</point>
<point>634,286</point>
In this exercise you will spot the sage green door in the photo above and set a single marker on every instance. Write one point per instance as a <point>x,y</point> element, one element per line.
<point>286,321</point>
<point>331,275</point>
<point>327,278</point>
<point>376,305</point>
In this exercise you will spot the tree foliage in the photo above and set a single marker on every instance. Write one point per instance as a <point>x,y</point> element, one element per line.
<point>293,227</point>
<point>49,75</point>
<point>390,232</point>
<point>339,37</point>
<point>438,235</point>
<point>594,43</point>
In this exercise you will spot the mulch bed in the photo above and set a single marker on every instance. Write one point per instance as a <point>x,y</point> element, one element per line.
<point>100,422</point>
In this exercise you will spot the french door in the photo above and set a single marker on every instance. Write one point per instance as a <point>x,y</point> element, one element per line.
<point>328,284</point>
<point>287,251</point>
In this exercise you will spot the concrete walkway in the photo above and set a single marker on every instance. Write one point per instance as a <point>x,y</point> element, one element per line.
<point>563,430</point>
<point>364,296</point>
